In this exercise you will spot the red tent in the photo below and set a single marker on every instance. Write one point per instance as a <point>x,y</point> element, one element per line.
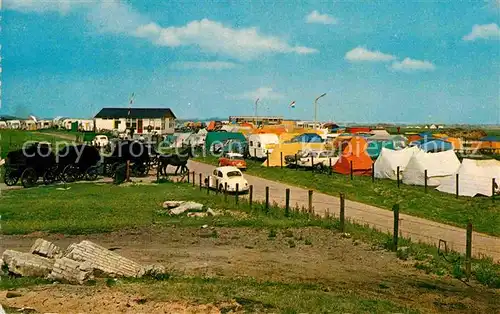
<point>358,129</point>
<point>354,155</point>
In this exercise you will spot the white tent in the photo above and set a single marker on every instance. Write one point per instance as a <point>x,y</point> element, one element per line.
<point>438,165</point>
<point>387,163</point>
<point>474,177</point>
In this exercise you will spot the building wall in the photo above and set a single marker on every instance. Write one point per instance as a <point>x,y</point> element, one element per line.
<point>161,126</point>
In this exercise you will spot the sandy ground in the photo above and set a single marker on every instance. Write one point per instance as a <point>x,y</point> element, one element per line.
<point>337,264</point>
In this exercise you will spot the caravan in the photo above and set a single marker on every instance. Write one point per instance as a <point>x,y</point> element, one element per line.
<point>259,145</point>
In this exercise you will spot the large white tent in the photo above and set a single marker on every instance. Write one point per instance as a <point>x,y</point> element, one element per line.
<point>438,165</point>
<point>474,177</point>
<point>387,163</point>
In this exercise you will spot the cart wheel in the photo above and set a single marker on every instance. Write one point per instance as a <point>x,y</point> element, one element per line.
<point>91,173</point>
<point>140,170</point>
<point>29,178</point>
<point>11,176</point>
<point>69,174</point>
<point>49,177</point>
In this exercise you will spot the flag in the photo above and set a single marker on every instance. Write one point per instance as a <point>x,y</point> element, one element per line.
<point>292,104</point>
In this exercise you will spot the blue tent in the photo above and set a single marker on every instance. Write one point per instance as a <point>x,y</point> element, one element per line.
<point>307,138</point>
<point>435,145</point>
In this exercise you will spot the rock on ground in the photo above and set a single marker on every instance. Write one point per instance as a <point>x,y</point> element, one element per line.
<point>27,265</point>
<point>186,206</point>
<point>66,269</point>
<point>46,249</point>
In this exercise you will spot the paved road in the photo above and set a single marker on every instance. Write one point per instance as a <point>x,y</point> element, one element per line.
<point>418,229</point>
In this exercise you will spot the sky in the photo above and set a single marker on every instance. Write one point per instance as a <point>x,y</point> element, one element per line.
<point>377,61</point>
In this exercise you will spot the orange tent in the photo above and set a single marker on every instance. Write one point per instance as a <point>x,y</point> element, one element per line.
<point>355,156</point>
<point>211,126</point>
<point>413,137</point>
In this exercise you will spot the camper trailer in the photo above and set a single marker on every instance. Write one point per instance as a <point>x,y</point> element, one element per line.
<point>3,125</point>
<point>14,124</point>
<point>259,145</point>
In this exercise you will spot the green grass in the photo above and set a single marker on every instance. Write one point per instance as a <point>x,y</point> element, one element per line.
<point>15,139</point>
<point>413,200</point>
<point>266,297</point>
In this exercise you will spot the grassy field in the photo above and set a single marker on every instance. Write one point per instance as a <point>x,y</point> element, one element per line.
<point>14,139</point>
<point>413,200</point>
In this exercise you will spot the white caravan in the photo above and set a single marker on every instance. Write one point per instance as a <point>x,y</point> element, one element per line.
<point>259,145</point>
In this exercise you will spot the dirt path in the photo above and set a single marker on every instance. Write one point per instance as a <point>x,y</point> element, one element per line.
<point>417,229</point>
<point>317,256</point>
<point>68,137</point>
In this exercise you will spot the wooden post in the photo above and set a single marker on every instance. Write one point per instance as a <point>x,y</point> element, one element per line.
<point>312,162</point>
<point>188,177</point>
<point>267,199</point>
<point>217,186</point>
<point>208,185</point>
<point>397,169</point>
<point>237,193</point>
<point>425,181</point>
<point>296,163</point>
<point>457,186</point>
<point>351,171</point>
<point>255,153</point>
<point>225,191</point>
<point>287,203</point>
<point>330,165</point>
<point>395,235</point>
<point>158,174</point>
<point>127,178</point>
<point>342,212</point>
<point>310,201</point>
<point>201,179</point>
<point>267,160</point>
<point>250,196</point>
<point>281,160</point>
<point>468,250</point>
<point>194,176</point>
<point>493,183</point>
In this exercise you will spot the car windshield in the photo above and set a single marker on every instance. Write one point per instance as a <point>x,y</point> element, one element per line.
<point>233,174</point>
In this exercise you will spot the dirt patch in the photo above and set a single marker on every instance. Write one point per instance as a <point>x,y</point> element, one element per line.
<point>308,255</point>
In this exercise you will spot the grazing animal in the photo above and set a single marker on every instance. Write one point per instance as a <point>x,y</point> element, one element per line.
<point>177,160</point>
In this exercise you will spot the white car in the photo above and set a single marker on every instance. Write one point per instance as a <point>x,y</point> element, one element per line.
<point>100,141</point>
<point>317,159</point>
<point>229,175</point>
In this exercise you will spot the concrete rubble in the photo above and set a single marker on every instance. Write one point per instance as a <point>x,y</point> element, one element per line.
<point>193,209</point>
<point>78,263</point>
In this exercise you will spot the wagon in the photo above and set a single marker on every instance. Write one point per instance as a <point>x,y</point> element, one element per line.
<point>134,152</point>
<point>28,164</point>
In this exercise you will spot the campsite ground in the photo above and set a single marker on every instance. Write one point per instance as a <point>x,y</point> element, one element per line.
<point>15,139</point>
<point>245,260</point>
<point>413,200</point>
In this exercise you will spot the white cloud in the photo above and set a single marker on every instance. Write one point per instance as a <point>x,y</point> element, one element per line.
<point>263,93</point>
<point>361,54</point>
<point>318,18</point>
<point>412,65</point>
<point>213,65</point>
<point>214,37</point>
<point>62,6</point>
<point>486,31</point>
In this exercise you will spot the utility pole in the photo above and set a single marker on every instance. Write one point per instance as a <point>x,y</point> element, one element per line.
<point>316,110</point>
<point>255,115</point>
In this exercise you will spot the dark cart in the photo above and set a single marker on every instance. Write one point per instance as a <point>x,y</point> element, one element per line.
<point>134,152</point>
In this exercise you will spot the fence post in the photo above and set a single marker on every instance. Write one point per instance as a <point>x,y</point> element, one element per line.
<point>127,179</point>
<point>395,208</point>
<point>373,173</point>
<point>188,177</point>
<point>225,192</point>
<point>351,171</point>
<point>287,203</point>
<point>208,185</point>
<point>296,163</point>
<point>312,162</point>
<point>267,199</point>
<point>267,160</point>
<point>468,250</point>
<point>342,212</point>
<point>310,201</point>
<point>250,196</point>
<point>194,176</point>
<point>237,193</point>
<point>457,186</point>
<point>158,174</point>
<point>425,181</point>
<point>281,160</point>
<point>397,169</point>
<point>201,179</point>
<point>330,165</point>
<point>493,183</point>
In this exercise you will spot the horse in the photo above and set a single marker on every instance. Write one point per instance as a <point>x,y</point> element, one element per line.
<point>178,160</point>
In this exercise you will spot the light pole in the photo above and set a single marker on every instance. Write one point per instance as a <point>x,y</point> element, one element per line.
<point>316,109</point>
<point>255,115</point>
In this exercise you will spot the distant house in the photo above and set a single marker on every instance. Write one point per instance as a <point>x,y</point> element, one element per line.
<point>433,127</point>
<point>141,120</point>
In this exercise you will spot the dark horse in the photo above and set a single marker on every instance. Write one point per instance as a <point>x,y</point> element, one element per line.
<point>176,160</point>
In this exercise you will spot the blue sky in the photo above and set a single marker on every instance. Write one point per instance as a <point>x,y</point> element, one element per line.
<point>378,61</point>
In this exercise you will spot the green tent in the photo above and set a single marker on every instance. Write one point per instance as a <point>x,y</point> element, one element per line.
<point>219,139</point>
